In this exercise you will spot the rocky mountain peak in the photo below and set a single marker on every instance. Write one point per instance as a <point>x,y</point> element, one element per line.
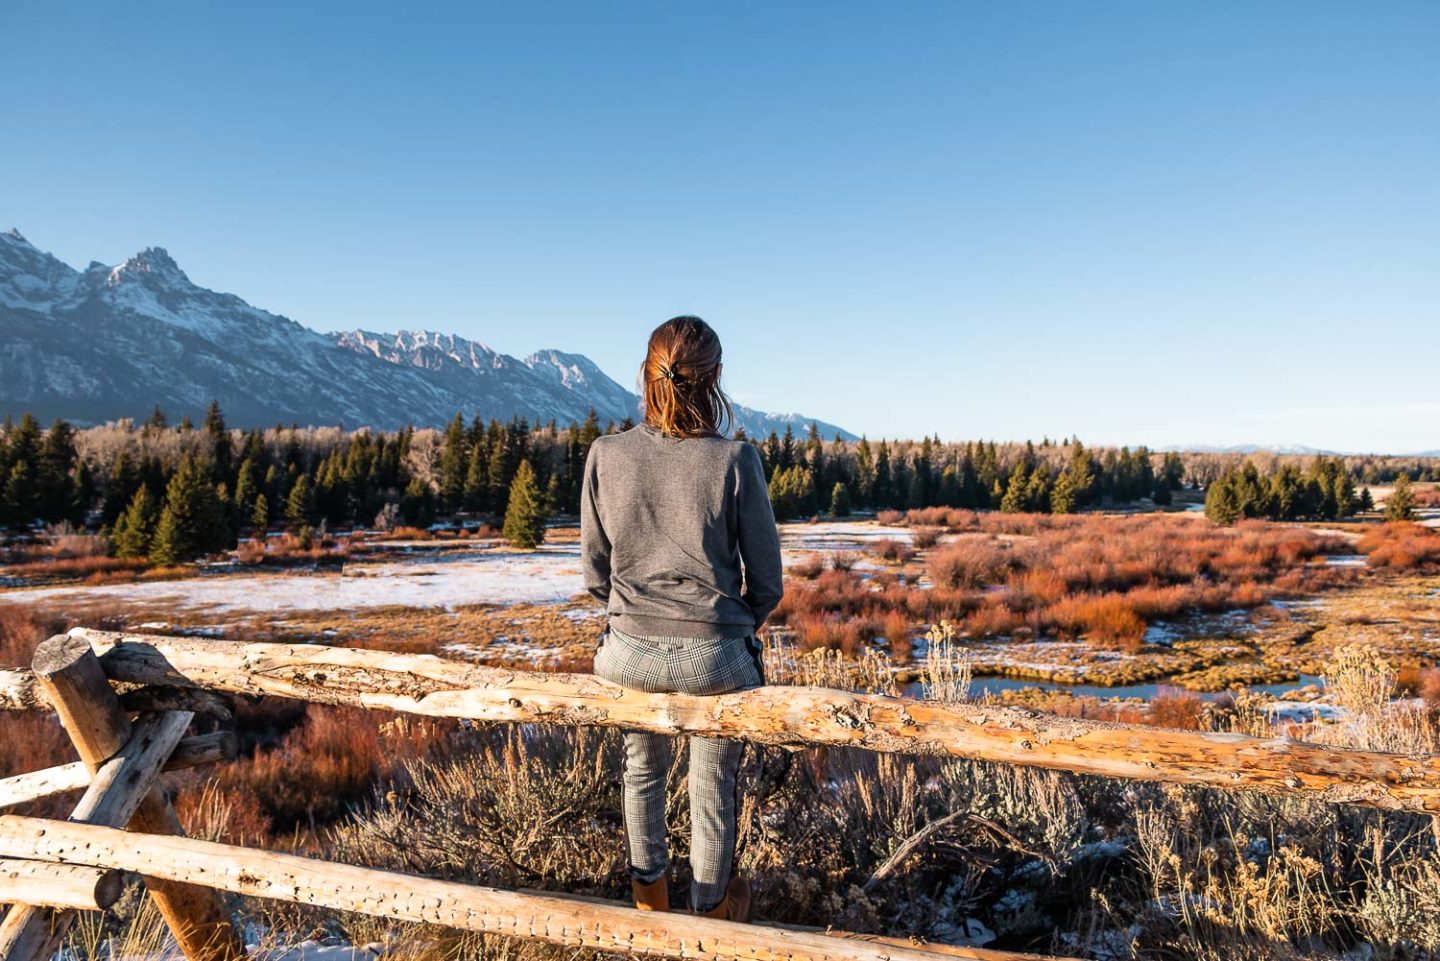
<point>152,264</point>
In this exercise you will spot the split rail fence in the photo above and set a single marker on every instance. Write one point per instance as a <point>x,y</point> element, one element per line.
<point>95,681</point>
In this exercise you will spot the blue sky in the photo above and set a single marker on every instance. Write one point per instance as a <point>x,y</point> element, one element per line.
<point>1156,223</point>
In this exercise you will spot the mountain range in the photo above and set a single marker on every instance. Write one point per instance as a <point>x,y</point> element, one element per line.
<point>108,342</point>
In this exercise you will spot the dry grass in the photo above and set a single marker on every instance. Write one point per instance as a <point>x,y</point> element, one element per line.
<point>288,549</point>
<point>75,568</point>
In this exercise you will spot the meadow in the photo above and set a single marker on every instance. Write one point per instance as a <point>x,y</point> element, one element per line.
<point>929,603</point>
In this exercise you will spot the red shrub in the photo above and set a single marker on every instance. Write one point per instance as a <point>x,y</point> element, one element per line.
<point>1158,603</point>
<point>899,631</point>
<point>894,551</point>
<point>1426,496</point>
<point>808,568</point>
<point>973,562</point>
<point>1174,708</point>
<point>1430,688</point>
<point>21,632</point>
<point>993,618</point>
<point>1104,618</point>
<point>326,765</point>
<point>1401,545</point>
<point>925,537</point>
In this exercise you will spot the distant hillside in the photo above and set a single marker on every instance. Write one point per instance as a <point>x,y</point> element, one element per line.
<point>112,342</point>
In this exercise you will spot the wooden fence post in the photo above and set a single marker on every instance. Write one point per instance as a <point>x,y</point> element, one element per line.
<point>32,931</point>
<point>70,676</point>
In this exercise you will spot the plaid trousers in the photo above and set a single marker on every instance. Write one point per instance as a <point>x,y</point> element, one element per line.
<point>685,665</point>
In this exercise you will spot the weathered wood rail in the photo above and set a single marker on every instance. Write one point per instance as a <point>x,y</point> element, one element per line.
<point>94,679</point>
<point>428,685</point>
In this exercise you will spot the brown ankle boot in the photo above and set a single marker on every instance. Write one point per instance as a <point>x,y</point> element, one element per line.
<point>735,906</point>
<point>654,896</point>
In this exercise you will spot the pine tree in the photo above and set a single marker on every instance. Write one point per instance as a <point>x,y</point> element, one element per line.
<point>119,490</point>
<point>1013,501</point>
<point>840,500</point>
<point>247,486</point>
<point>792,494</point>
<point>454,465</point>
<point>20,498</point>
<point>260,515</point>
<point>814,454</point>
<point>193,521</point>
<point>476,481</point>
<point>135,529</point>
<point>221,453</point>
<point>1400,506</point>
<point>864,471</point>
<point>1079,480</point>
<point>85,491</point>
<point>881,493</point>
<point>1366,503</point>
<point>526,512</point>
<point>787,449</point>
<point>589,431</point>
<point>1062,497</point>
<point>770,454</point>
<point>501,470</point>
<point>54,475</point>
<point>1037,491</point>
<point>168,546</point>
<point>417,505</point>
<point>1221,504</point>
<point>300,505</point>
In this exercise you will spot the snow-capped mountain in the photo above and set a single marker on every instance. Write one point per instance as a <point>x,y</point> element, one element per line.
<point>110,342</point>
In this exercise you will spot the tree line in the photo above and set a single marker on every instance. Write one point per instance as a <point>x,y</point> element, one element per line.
<point>1324,492</point>
<point>173,492</point>
<point>810,476</point>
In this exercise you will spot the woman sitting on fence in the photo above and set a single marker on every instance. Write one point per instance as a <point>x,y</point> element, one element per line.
<point>670,511</point>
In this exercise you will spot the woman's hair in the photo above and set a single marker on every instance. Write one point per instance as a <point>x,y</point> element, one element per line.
<point>680,380</point>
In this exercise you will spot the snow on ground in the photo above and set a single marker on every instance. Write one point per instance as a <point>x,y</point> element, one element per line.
<point>838,535</point>
<point>315,951</point>
<point>1300,712</point>
<point>503,649</point>
<point>548,575</point>
<point>432,578</point>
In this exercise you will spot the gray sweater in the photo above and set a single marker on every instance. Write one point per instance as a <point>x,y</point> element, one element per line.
<point>665,526</point>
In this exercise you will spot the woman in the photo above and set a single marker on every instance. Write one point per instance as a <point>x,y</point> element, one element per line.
<point>670,512</point>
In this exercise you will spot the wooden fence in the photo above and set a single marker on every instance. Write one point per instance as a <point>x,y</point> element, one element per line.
<point>95,680</point>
